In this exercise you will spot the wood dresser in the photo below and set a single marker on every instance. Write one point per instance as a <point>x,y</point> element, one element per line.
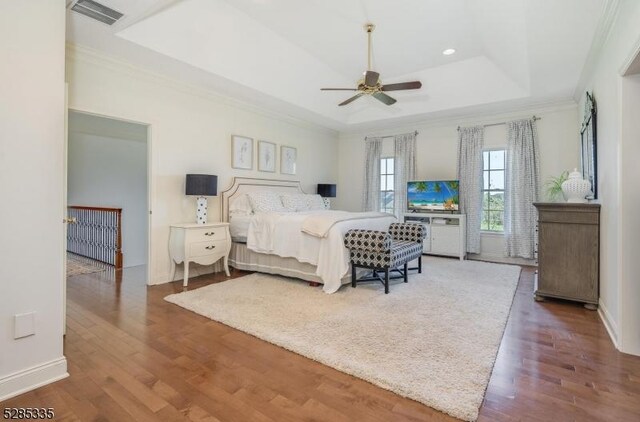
<point>568,252</point>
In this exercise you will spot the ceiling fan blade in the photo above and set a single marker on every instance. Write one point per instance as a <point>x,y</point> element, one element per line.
<point>381,96</point>
<point>338,89</point>
<point>355,97</point>
<point>371,78</point>
<point>402,85</point>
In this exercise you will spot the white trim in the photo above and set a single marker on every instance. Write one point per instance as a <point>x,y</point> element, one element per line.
<point>76,52</point>
<point>472,116</point>
<point>31,378</point>
<point>603,31</point>
<point>635,53</point>
<point>609,323</point>
<point>501,259</point>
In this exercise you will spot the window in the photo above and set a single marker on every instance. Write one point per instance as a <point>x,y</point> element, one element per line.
<point>493,190</point>
<point>386,185</point>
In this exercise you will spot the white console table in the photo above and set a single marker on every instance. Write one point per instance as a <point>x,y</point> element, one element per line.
<point>200,243</point>
<point>446,233</point>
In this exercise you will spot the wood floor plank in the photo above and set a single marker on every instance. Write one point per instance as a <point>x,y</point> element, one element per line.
<point>133,356</point>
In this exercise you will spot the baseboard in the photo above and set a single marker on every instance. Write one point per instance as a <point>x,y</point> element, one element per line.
<point>195,270</point>
<point>501,259</point>
<point>32,378</point>
<point>609,323</point>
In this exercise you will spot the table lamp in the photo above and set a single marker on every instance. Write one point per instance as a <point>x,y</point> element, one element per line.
<point>326,191</point>
<point>201,185</point>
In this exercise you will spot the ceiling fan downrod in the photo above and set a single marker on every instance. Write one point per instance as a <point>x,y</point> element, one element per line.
<point>369,27</point>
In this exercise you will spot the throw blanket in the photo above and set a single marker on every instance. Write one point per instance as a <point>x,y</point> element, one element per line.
<point>281,234</point>
<point>318,225</point>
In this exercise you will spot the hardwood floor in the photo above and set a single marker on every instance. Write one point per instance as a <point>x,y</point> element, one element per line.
<point>133,356</point>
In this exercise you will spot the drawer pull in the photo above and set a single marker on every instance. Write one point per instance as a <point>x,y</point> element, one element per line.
<point>209,233</point>
<point>210,247</point>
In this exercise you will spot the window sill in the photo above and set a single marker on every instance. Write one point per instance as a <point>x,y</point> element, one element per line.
<point>491,234</point>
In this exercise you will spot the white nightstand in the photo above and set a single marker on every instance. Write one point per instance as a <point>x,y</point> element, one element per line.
<point>200,243</point>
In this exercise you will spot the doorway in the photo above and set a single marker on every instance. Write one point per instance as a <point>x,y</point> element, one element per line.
<point>107,195</point>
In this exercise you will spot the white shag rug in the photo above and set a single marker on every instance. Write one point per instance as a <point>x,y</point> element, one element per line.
<point>434,339</point>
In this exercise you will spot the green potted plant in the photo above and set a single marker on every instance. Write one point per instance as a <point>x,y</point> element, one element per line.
<point>554,187</point>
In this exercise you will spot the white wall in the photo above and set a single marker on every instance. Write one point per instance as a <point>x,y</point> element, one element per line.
<point>108,168</point>
<point>437,145</point>
<point>31,153</point>
<point>630,223</point>
<point>190,132</point>
<point>617,160</point>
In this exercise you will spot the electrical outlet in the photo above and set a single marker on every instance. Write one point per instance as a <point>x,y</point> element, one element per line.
<point>24,325</point>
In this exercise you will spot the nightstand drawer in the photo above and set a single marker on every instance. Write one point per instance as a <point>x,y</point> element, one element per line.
<point>207,248</point>
<point>206,234</point>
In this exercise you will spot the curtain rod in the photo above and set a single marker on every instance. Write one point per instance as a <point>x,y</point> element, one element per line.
<point>504,123</point>
<point>390,136</point>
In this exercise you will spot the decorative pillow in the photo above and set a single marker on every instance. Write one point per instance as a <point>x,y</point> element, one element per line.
<point>295,202</point>
<point>241,206</point>
<point>265,202</point>
<point>315,202</point>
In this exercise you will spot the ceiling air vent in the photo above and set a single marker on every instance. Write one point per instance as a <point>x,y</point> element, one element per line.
<point>97,11</point>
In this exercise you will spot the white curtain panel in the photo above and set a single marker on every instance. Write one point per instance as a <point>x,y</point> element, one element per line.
<point>522,180</point>
<point>405,170</point>
<point>371,191</point>
<point>470,144</point>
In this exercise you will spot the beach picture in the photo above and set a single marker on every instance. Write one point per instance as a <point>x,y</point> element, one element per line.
<point>441,195</point>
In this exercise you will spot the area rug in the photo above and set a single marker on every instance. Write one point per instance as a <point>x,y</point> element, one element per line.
<point>80,265</point>
<point>434,339</point>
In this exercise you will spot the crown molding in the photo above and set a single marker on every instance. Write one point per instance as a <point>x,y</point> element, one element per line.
<point>80,53</point>
<point>625,69</point>
<point>472,117</point>
<point>603,32</point>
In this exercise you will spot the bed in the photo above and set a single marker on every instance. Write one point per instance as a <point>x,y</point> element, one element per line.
<point>303,243</point>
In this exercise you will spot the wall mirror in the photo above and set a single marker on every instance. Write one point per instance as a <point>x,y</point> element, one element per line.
<point>588,143</point>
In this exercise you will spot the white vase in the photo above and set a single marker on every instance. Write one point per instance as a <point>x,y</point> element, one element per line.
<point>575,188</point>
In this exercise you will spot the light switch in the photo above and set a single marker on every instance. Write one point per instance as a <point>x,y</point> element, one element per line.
<point>24,325</point>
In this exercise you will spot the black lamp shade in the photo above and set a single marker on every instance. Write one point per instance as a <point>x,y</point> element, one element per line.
<point>202,185</point>
<point>326,190</point>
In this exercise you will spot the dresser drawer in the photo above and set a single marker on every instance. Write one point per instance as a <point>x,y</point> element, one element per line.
<point>206,234</point>
<point>568,217</point>
<point>207,248</point>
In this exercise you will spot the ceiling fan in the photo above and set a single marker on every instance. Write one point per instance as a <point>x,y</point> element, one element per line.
<point>371,84</point>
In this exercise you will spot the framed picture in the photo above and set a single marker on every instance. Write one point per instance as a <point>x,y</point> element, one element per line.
<point>288,158</point>
<point>266,156</point>
<point>589,157</point>
<point>241,152</point>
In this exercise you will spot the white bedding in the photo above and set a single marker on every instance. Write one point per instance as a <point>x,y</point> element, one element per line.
<point>239,226</point>
<point>319,224</point>
<point>281,234</point>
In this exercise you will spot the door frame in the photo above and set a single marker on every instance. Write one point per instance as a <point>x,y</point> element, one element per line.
<point>149,177</point>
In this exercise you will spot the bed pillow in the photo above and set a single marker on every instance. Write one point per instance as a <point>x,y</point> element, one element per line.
<point>295,202</point>
<point>241,206</point>
<point>315,202</point>
<point>265,202</point>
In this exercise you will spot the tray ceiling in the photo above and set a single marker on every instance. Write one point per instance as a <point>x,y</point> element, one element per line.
<point>279,53</point>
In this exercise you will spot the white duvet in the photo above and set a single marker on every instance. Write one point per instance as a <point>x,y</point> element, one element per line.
<point>281,234</point>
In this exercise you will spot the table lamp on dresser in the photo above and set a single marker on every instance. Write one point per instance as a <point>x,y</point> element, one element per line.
<point>201,185</point>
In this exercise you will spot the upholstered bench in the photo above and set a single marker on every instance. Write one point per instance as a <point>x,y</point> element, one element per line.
<point>385,251</point>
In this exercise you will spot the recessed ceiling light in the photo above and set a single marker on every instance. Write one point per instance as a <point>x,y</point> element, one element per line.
<point>449,51</point>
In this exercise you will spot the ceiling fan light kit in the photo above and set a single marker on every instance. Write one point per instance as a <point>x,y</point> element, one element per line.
<point>371,84</point>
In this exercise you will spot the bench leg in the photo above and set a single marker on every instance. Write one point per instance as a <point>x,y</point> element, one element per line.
<point>353,275</point>
<point>386,281</point>
<point>406,272</point>
<point>420,264</point>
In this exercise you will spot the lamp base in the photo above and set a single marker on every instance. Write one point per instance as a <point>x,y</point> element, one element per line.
<point>201,212</point>
<point>327,203</point>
